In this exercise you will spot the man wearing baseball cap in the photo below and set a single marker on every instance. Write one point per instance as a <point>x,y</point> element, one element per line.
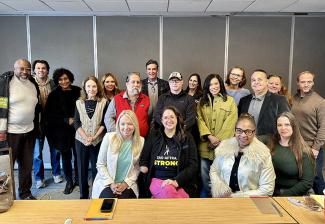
<point>178,98</point>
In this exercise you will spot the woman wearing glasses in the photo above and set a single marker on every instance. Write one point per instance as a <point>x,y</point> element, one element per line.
<point>217,115</point>
<point>235,81</point>
<point>292,158</point>
<point>243,165</point>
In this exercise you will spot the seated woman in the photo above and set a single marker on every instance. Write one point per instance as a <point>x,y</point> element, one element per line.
<point>118,160</point>
<point>242,166</point>
<point>169,158</point>
<point>292,158</point>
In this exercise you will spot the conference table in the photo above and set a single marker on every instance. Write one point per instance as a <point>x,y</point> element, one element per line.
<point>223,210</point>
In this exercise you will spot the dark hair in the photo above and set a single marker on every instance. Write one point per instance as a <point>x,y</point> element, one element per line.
<point>180,130</point>
<point>41,62</point>
<point>151,61</point>
<point>242,82</point>
<point>246,116</point>
<point>296,143</point>
<point>206,89</point>
<point>60,72</point>
<point>199,85</point>
<point>99,95</point>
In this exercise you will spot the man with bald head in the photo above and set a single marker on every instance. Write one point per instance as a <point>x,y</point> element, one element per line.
<point>263,105</point>
<point>19,108</point>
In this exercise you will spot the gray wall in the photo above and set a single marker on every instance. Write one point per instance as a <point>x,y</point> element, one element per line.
<point>185,44</point>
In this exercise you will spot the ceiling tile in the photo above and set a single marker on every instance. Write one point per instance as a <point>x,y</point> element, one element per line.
<point>188,5</point>
<point>269,6</point>
<point>67,5</point>
<point>228,6</point>
<point>108,5</point>
<point>306,6</point>
<point>148,5</point>
<point>27,5</point>
<point>4,8</point>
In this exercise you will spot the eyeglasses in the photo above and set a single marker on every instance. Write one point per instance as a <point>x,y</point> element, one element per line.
<point>237,75</point>
<point>248,132</point>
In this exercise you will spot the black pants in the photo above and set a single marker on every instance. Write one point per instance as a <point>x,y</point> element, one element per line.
<point>66,163</point>
<point>84,154</point>
<point>108,193</point>
<point>22,150</point>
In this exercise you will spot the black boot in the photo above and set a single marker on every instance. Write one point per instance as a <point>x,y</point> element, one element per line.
<point>68,188</point>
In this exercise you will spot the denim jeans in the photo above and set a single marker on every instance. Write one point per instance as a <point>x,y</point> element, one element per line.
<point>205,177</point>
<point>319,184</point>
<point>38,160</point>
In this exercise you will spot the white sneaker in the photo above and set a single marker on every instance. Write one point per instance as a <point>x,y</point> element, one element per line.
<point>40,184</point>
<point>58,179</point>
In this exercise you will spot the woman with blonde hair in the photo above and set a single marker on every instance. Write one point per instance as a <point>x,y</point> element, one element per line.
<point>292,158</point>
<point>110,86</point>
<point>89,125</point>
<point>118,160</point>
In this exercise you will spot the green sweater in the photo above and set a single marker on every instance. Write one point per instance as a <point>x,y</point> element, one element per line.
<point>288,182</point>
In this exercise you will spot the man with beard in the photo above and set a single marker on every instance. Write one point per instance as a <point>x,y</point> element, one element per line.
<point>131,99</point>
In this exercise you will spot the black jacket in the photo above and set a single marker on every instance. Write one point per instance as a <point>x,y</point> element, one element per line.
<point>60,106</point>
<point>187,172</point>
<point>163,86</point>
<point>273,105</point>
<point>183,102</point>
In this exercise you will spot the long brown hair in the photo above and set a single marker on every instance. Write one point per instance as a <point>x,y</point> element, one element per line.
<point>296,143</point>
<point>99,95</point>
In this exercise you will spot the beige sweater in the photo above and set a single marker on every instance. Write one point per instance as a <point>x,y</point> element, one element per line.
<point>310,113</point>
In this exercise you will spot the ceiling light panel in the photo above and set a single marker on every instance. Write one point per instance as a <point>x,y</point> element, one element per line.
<point>188,6</point>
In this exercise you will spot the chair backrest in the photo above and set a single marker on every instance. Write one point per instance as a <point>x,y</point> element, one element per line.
<point>6,165</point>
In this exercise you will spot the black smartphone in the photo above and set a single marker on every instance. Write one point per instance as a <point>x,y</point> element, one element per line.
<point>107,205</point>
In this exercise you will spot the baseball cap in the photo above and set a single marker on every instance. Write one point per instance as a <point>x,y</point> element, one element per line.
<point>176,75</point>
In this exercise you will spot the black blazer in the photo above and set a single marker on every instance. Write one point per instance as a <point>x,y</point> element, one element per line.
<point>163,86</point>
<point>273,105</point>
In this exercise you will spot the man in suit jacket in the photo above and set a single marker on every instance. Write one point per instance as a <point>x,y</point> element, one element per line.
<point>262,104</point>
<point>153,86</point>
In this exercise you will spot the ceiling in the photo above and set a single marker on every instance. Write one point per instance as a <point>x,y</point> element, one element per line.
<point>159,7</point>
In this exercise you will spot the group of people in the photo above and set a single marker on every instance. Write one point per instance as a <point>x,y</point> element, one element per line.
<point>156,140</point>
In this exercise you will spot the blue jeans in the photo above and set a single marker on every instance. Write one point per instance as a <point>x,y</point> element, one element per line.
<point>205,178</point>
<point>319,184</point>
<point>38,160</point>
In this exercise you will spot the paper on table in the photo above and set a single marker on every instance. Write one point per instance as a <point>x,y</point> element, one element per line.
<point>319,199</point>
<point>266,205</point>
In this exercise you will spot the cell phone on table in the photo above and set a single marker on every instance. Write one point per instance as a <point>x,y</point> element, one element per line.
<point>107,205</point>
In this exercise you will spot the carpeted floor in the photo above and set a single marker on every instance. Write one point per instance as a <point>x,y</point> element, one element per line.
<point>52,191</point>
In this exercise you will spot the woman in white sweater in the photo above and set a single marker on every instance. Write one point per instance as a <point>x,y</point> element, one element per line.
<point>243,165</point>
<point>118,160</point>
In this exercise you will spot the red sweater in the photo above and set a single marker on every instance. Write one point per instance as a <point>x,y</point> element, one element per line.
<point>141,108</point>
